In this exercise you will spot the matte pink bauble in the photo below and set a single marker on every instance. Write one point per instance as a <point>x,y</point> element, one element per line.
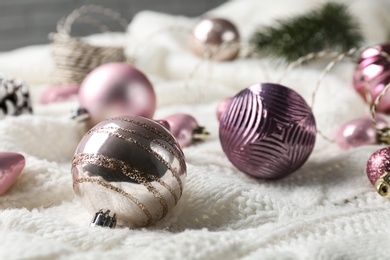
<point>374,69</point>
<point>215,38</point>
<point>116,89</point>
<point>358,132</point>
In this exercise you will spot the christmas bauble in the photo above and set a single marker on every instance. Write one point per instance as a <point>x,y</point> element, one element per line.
<point>358,132</point>
<point>185,128</point>
<point>215,38</point>
<point>132,166</point>
<point>374,69</point>
<point>222,106</point>
<point>116,89</point>
<point>378,171</point>
<point>268,131</point>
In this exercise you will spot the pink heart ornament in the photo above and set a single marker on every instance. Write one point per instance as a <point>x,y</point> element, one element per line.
<point>11,165</point>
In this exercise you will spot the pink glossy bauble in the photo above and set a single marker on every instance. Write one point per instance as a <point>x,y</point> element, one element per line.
<point>116,89</point>
<point>358,132</point>
<point>182,127</point>
<point>215,38</point>
<point>374,69</point>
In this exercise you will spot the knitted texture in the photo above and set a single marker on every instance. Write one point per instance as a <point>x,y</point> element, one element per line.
<point>326,210</point>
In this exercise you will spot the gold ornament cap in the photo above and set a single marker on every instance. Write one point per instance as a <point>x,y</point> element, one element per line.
<point>382,185</point>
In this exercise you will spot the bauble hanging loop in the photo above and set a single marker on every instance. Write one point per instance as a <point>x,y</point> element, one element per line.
<point>268,131</point>
<point>131,166</point>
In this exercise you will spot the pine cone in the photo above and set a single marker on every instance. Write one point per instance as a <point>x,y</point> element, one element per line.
<point>14,97</point>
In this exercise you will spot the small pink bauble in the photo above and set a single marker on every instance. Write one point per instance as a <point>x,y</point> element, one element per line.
<point>185,129</point>
<point>378,171</point>
<point>374,68</point>
<point>358,132</point>
<point>268,131</point>
<point>116,89</point>
<point>215,38</point>
<point>222,107</point>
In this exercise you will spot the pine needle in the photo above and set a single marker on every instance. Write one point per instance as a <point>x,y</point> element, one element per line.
<point>331,27</point>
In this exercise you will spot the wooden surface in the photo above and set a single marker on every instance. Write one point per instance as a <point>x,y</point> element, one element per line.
<point>28,22</point>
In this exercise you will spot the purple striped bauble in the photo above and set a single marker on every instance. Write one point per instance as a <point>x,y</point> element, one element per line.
<point>268,131</point>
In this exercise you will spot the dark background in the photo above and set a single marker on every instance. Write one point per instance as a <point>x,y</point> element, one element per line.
<point>28,22</point>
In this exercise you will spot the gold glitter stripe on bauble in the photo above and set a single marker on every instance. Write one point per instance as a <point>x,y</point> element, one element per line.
<point>169,149</point>
<point>165,137</point>
<point>114,164</point>
<point>120,191</point>
<point>84,157</point>
<point>165,185</point>
<point>129,139</point>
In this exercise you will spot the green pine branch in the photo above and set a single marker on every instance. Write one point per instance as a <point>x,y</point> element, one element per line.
<point>329,28</point>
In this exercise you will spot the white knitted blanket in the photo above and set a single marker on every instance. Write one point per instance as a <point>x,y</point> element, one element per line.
<point>326,210</point>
